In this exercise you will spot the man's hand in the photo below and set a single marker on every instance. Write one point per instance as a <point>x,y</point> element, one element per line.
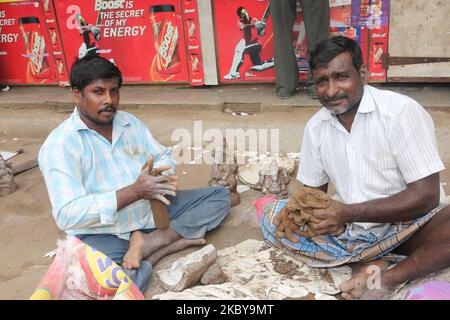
<point>158,171</point>
<point>156,187</point>
<point>329,221</point>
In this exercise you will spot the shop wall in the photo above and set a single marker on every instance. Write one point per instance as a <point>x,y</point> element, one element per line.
<point>419,41</point>
<point>366,21</point>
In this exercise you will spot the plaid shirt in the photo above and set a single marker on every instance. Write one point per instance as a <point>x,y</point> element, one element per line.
<point>83,171</point>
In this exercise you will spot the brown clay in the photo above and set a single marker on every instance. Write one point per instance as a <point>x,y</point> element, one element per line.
<point>312,198</point>
<point>285,226</point>
<point>297,212</point>
<point>285,267</point>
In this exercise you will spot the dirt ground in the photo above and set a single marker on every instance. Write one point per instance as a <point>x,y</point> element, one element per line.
<point>28,231</point>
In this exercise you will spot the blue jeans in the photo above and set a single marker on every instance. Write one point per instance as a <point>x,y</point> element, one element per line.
<point>192,213</point>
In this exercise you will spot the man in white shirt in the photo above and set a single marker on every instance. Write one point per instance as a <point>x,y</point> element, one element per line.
<point>378,149</point>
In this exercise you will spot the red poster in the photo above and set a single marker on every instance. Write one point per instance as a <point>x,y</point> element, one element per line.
<point>193,44</point>
<point>144,38</point>
<point>25,51</point>
<point>49,17</point>
<point>234,52</point>
<point>378,47</point>
<point>244,41</point>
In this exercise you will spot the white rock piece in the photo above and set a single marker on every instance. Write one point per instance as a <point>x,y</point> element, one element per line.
<point>187,271</point>
<point>242,188</point>
<point>248,174</point>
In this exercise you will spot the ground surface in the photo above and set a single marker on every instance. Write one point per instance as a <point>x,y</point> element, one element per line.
<point>27,115</point>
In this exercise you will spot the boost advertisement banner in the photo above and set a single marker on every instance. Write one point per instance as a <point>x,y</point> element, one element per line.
<point>25,52</point>
<point>244,41</point>
<point>245,51</point>
<point>374,15</point>
<point>145,38</point>
<point>193,43</point>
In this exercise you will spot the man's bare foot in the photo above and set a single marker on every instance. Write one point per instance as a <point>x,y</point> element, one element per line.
<point>178,245</point>
<point>356,287</point>
<point>132,259</point>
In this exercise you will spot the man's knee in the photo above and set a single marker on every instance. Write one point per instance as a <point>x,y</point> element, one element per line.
<point>222,194</point>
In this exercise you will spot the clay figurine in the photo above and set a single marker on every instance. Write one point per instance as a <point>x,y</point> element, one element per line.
<point>224,173</point>
<point>274,180</point>
<point>7,183</point>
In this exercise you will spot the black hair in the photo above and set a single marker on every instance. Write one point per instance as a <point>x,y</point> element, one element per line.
<point>239,10</point>
<point>91,68</point>
<point>326,50</point>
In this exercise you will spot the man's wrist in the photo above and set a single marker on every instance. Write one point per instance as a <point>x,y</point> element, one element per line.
<point>351,213</point>
<point>127,196</point>
<point>135,193</point>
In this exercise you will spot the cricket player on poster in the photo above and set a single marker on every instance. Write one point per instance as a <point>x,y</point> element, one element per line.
<point>252,29</point>
<point>90,34</point>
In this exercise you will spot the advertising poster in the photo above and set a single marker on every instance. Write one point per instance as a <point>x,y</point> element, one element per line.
<point>49,17</point>
<point>245,52</point>
<point>370,13</point>
<point>374,16</point>
<point>244,41</point>
<point>300,45</point>
<point>25,52</point>
<point>193,43</point>
<point>144,38</point>
<point>340,13</point>
<point>340,24</point>
<point>378,53</point>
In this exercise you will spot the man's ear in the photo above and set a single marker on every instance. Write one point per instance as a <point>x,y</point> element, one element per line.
<point>76,94</point>
<point>363,74</point>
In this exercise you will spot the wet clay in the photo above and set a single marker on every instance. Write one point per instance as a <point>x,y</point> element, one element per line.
<point>297,212</point>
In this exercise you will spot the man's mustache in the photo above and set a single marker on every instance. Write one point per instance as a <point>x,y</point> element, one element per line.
<point>336,97</point>
<point>107,109</point>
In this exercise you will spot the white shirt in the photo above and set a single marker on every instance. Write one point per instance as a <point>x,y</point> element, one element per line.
<point>391,143</point>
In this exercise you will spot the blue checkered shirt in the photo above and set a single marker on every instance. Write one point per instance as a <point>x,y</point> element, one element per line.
<point>83,171</point>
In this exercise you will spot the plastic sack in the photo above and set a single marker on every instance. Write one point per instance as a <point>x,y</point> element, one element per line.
<point>260,203</point>
<point>79,272</point>
<point>432,290</point>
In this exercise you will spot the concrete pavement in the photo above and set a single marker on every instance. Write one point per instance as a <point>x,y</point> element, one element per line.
<point>177,106</point>
<point>251,97</point>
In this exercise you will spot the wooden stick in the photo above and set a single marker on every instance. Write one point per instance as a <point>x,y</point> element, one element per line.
<point>159,209</point>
